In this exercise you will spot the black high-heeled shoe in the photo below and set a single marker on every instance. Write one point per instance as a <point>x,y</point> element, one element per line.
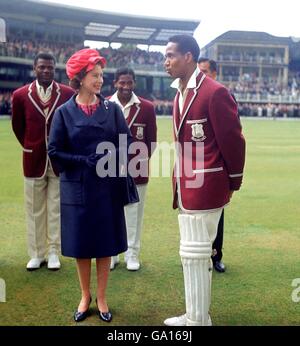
<point>104,316</point>
<point>81,316</point>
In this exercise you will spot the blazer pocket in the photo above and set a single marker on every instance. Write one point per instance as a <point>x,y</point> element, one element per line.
<point>208,170</point>
<point>27,150</point>
<point>197,121</point>
<point>71,193</point>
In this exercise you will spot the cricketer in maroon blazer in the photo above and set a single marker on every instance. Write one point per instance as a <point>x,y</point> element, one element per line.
<point>31,126</point>
<point>210,120</point>
<point>142,124</point>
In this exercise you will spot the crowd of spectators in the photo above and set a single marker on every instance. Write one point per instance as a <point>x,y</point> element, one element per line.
<point>134,57</point>
<point>247,86</point>
<point>28,49</point>
<point>124,56</point>
<point>164,107</point>
<point>270,110</point>
<point>250,87</point>
<point>256,97</point>
<point>251,57</point>
<point>5,103</point>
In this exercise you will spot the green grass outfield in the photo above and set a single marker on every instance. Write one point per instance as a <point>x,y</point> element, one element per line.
<point>261,246</point>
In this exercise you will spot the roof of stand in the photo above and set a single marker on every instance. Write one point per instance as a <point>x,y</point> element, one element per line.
<point>245,37</point>
<point>100,25</point>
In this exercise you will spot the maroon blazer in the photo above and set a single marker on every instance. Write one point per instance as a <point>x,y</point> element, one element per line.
<point>211,158</point>
<point>142,124</point>
<point>31,125</point>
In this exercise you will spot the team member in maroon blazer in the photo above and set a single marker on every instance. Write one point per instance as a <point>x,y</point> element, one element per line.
<point>141,120</point>
<point>209,67</point>
<point>209,168</point>
<point>33,107</point>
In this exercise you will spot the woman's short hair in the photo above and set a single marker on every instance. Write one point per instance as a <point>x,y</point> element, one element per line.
<point>75,83</point>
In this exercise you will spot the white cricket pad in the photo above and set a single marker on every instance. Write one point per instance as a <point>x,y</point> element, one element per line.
<point>196,235</point>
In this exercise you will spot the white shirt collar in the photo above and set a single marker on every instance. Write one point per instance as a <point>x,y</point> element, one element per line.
<point>133,100</point>
<point>41,89</point>
<point>192,83</point>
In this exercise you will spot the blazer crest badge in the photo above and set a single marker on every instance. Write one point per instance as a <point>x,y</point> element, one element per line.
<point>198,133</point>
<point>140,132</point>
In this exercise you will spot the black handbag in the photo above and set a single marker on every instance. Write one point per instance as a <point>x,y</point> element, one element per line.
<point>128,190</point>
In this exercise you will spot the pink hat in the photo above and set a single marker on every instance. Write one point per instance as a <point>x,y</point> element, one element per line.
<point>84,58</point>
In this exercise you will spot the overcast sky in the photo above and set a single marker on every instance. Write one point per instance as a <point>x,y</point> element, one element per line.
<point>280,18</point>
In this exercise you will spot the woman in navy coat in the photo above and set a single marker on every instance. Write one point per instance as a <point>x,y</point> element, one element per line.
<point>92,214</point>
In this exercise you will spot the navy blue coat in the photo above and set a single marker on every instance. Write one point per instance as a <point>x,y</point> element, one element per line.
<point>92,213</point>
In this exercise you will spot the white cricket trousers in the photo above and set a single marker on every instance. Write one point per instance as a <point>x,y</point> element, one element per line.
<point>134,214</point>
<point>42,204</point>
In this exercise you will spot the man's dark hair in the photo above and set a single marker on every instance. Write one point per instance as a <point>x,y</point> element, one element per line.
<point>212,64</point>
<point>45,56</point>
<point>124,70</point>
<point>203,59</point>
<point>185,44</point>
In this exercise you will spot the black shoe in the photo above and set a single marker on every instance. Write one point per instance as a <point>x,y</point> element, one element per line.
<point>104,316</point>
<point>81,316</point>
<point>219,266</point>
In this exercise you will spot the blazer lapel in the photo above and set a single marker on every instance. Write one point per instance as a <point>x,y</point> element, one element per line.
<point>54,99</point>
<point>133,113</point>
<point>34,98</point>
<point>192,93</point>
<point>176,114</point>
